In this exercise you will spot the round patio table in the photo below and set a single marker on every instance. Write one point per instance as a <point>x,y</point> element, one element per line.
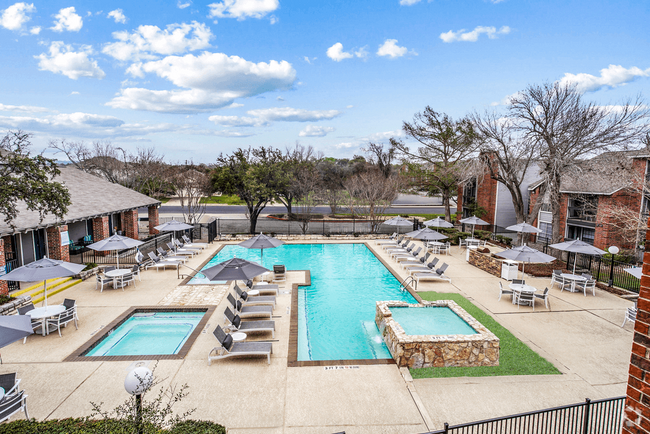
<point>238,336</point>
<point>46,312</point>
<point>253,292</point>
<point>573,278</point>
<point>519,288</point>
<point>116,274</point>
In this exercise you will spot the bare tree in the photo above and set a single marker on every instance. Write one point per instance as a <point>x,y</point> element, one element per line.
<point>308,182</point>
<point>444,144</point>
<point>564,128</point>
<point>371,193</point>
<point>191,184</point>
<point>382,159</point>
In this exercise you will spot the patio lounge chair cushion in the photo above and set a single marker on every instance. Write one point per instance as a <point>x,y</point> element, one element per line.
<point>227,342</point>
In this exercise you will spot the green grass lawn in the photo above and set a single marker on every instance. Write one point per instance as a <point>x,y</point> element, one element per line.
<point>224,199</point>
<point>515,358</point>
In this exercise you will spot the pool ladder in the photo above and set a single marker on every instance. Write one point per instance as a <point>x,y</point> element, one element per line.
<point>180,276</point>
<point>410,280</point>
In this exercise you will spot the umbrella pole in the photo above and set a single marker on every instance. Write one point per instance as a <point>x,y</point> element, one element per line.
<point>575,259</point>
<point>262,256</point>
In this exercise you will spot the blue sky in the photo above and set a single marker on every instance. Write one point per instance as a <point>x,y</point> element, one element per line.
<point>194,79</point>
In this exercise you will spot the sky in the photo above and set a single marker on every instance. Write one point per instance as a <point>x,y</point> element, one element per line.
<point>196,79</point>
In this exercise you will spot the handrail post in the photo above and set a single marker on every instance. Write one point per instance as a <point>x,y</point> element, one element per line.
<point>585,425</point>
<point>446,427</point>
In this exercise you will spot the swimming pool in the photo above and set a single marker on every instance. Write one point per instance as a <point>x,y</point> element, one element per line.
<point>148,333</point>
<point>336,313</point>
<point>431,320</point>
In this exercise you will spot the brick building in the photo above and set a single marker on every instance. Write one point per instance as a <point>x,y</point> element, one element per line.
<point>591,192</point>
<point>97,208</point>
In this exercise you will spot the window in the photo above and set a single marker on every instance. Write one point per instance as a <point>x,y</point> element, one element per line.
<point>583,234</point>
<point>547,231</point>
<point>583,208</point>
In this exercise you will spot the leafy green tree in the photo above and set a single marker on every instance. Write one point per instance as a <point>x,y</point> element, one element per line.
<point>250,174</point>
<point>28,180</point>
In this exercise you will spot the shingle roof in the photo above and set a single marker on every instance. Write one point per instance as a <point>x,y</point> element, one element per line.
<point>90,195</point>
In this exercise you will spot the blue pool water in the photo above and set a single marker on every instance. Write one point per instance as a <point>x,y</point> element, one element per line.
<point>431,321</point>
<point>336,314</point>
<point>149,334</point>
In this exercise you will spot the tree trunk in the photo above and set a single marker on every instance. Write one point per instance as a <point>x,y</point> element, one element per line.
<point>446,204</point>
<point>253,222</point>
<point>555,197</point>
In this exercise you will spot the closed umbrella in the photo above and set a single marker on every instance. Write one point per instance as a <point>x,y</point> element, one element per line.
<point>473,220</point>
<point>398,221</point>
<point>43,269</point>
<point>438,223</point>
<point>526,254</point>
<point>577,246</point>
<point>234,269</point>
<point>261,242</point>
<point>427,235</point>
<point>116,242</point>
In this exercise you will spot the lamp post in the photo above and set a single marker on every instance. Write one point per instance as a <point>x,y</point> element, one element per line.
<point>136,383</point>
<point>613,250</point>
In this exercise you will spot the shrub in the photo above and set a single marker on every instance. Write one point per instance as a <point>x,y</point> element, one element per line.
<point>104,426</point>
<point>89,266</point>
<point>197,426</point>
<point>455,237</point>
<point>5,298</point>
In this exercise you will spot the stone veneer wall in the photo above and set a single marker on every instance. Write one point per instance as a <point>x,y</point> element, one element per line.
<point>423,351</point>
<point>485,262</point>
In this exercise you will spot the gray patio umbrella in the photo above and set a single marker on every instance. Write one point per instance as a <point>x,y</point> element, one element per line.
<point>577,246</point>
<point>13,328</point>
<point>115,242</point>
<point>234,269</point>
<point>473,220</point>
<point>398,221</point>
<point>261,242</point>
<point>524,228</point>
<point>426,234</point>
<point>173,226</point>
<point>438,223</point>
<point>43,269</point>
<point>526,254</point>
<point>635,271</point>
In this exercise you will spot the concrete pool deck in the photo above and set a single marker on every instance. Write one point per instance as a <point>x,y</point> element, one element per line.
<point>581,336</point>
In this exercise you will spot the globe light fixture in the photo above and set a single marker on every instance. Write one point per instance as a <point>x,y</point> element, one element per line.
<point>137,382</point>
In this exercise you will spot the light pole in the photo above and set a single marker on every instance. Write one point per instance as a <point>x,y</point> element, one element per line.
<point>136,383</point>
<point>612,250</point>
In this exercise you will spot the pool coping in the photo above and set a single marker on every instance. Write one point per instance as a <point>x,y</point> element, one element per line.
<point>77,355</point>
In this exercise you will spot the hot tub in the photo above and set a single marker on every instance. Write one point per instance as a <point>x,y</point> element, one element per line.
<point>438,334</point>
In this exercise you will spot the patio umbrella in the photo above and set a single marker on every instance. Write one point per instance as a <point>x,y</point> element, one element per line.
<point>526,254</point>
<point>13,328</point>
<point>577,246</point>
<point>473,220</point>
<point>173,226</point>
<point>234,269</point>
<point>635,271</point>
<point>524,228</point>
<point>398,221</point>
<point>43,269</point>
<point>427,235</point>
<point>438,223</point>
<point>115,242</point>
<point>261,242</point>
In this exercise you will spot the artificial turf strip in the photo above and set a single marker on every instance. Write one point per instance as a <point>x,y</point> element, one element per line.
<point>515,358</point>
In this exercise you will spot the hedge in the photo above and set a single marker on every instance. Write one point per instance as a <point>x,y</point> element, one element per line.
<point>104,426</point>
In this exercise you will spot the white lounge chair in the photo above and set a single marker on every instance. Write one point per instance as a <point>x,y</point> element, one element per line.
<point>161,263</point>
<point>235,323</point>
<point>263,288</point>
<point>190,243</point>
<point>260,300</point>
<point>439,274</point>
<point>423,268</point>
<point>228,348</point>
<point>249,311</point>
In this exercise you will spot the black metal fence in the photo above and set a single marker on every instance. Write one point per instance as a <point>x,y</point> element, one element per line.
<point>11,262</point>
<point>127,256</point>
<point>604,416</point>
<point>606,270</point>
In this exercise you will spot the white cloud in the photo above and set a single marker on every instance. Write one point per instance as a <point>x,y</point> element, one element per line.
<point>378,137</point>
<point>67,19</point>
<point>242,9</point>
<point>182,5</point>
<point>288,114</point>
<point>148,41</point>
<point>237,121</point>
<point>74,92</point>
<point>273,19</point>
<point>349,106</point>
<point>391,49</point>
<point>15,16</point>
<point>35,30</point>
<point>408,2</point>
<point>612,76</point>
<point>345,145</point>
<point>117,15</point>
<point>472,36</point>
<point>280,98</point>
<point>208,81</point>
<point>336,53</point>
<point>362,52</point>
<point>73,64</point>
<point>22,108</point>
<point>315,131</point>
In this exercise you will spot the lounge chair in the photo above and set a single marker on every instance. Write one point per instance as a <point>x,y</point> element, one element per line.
<point>279,273</point>
<point>391,242</point>
<point>177,251</point>
<point>422,267</point>
<point>263,288</point>
<point>504,291</point>
<point>12,404</point>
<point>410,255</point>
<point>177,243</point>
<point>544,296</point>
<point>229,348</point>
<point>416,261</point>
<point>169,254</point>
<point>249,311</point>
<point>36,323</point>
<point>161,263</point>
<point>259,300</point>
<point>401,246</point>
<point>630,315</point>
<point>439,274</point>
<point>235,323</point>
<point>192,244</point>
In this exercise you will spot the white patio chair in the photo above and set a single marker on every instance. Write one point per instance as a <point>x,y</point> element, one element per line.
<point>504,292</point>
<point>12,404</point>
<point>63,319</point>
<point>630,315</point>
<point>544,296</point>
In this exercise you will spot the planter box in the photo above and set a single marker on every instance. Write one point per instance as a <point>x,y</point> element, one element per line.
<point>11,307</point>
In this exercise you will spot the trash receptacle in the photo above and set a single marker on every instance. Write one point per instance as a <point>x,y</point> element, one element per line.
<point>509,269</point>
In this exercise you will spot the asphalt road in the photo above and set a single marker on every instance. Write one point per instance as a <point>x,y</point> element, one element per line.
<point>238,209</point>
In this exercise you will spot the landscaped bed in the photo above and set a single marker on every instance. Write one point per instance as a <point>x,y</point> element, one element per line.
<point>515,356</point>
